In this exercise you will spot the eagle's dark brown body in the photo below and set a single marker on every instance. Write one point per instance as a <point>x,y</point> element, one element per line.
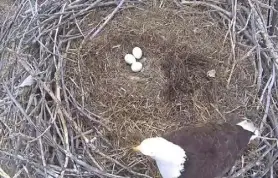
<point>212,149</point>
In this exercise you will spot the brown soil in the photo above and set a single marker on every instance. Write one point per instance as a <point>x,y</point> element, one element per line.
<point>173,89</point>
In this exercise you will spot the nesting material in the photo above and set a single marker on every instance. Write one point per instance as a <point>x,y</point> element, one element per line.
<point>103,98</point>
<point>171,90</point>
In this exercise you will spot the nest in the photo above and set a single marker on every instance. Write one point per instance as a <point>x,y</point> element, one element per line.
<point>70,105</point>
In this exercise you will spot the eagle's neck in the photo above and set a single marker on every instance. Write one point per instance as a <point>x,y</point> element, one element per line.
<point>171,165</point>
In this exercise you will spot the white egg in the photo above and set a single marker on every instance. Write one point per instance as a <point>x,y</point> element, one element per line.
<point>130,59</point>
<point>137,52</point>
<point>136,66</point>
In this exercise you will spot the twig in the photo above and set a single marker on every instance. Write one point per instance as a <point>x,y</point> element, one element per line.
<point>115,161</point>
<point>233,40</point>
<point>270,86</point>
<point>274,19</point>
<point>264,34</point>
<point>207,4</point>
<point>108,18</point>
<point>252,164</point>
<point>3,173</point>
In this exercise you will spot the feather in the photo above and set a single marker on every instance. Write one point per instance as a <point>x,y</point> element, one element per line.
<point>28,81</point>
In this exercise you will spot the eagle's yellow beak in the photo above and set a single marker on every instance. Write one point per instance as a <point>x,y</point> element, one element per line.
<point>136,149</point>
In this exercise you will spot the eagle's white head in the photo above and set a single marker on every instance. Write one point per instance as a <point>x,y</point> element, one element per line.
<point>169,157</point>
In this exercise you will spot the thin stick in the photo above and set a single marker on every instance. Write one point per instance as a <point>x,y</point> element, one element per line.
<point>108,18</point>
<point>3,173</point>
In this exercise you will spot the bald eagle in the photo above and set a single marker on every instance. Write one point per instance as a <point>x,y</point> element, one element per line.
<point>203,151</point>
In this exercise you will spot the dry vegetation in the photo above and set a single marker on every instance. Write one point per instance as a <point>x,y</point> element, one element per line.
<point>174,83</point>
<point>86,108</point>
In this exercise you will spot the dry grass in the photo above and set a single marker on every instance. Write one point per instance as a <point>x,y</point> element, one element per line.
<point>173,90</point>
<point>87,108</point>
